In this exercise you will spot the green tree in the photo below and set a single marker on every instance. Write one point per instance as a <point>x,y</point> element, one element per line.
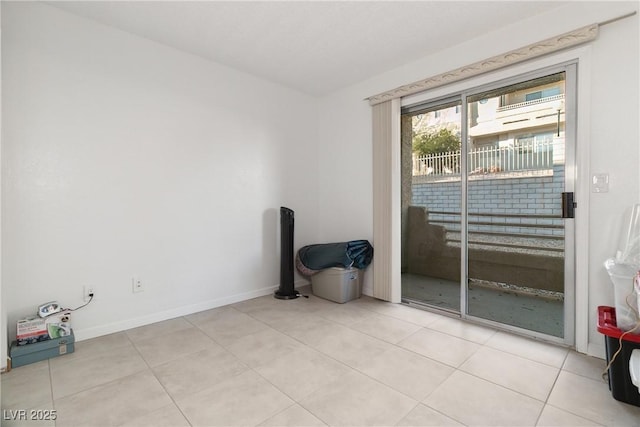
<point>440,141</point>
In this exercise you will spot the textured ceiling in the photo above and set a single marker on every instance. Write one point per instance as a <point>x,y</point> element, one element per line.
<point>313,46</point>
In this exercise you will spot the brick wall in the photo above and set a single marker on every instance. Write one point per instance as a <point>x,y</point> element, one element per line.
<point>502,194</point>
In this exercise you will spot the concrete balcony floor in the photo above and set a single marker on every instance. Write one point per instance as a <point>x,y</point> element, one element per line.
<point>537,313</point>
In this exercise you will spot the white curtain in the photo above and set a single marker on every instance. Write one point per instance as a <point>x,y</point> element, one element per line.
<point>386,210</point>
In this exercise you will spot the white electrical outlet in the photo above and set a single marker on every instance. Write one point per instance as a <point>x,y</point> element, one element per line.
<point>600,183</point>
<point>87,292</point>
<point>137,286</point>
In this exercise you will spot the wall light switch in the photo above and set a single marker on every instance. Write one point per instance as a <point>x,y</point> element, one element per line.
<point>600,183</point>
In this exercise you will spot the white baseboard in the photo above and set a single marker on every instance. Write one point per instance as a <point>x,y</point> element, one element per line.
<point>98,331</point>
<point>596,350</point>
<point>367,290</point>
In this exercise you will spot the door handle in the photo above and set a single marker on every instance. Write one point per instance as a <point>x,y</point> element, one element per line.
<point>568,205</point>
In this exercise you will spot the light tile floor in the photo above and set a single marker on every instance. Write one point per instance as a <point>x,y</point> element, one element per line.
<point>309,362</point>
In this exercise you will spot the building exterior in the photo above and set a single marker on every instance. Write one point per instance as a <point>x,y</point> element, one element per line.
<point>518,129</point>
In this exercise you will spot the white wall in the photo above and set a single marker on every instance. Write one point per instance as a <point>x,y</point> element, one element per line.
<point>612,125</point>
<point>124,157</point>
<point>615,149</point>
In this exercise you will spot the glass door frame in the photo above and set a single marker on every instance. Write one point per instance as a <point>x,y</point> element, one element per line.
<point>433,105</point>
<point>569,315</point>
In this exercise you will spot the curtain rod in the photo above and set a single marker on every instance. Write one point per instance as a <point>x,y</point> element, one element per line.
<point>619,18</point>
<point>553,44</point>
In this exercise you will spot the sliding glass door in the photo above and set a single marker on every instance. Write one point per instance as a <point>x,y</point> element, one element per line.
<point>484,175</point>
<point>431,195</point>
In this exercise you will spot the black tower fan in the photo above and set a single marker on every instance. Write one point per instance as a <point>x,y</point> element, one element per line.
<point>286,290</point>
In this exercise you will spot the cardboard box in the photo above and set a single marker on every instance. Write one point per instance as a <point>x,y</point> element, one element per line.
<point>31,330</point>
<point>31,353</point>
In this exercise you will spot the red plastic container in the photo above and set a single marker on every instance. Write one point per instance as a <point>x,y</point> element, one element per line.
<point>620,384</point>
<point>607,325</point>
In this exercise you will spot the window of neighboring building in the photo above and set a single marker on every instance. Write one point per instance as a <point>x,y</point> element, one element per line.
<point>545,93</point>
<point>534,142</point>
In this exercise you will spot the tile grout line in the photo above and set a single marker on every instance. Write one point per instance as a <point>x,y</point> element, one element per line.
<point>53,402</point>
<point>497,331</point>
<point>392,346</point>
<point>457,368</point>
<point>354,369</point>
<point>158,379</point>
<point>565,409</point>
<point>502,386</point>
<point>395,346</point>
<point>81,358</point>
<point>546,402</point>
<point>256,372</point>
<point>251,368</point>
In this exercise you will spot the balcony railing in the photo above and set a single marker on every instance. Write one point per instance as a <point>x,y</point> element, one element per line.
<point>553,98</point>
<point>532,155</point>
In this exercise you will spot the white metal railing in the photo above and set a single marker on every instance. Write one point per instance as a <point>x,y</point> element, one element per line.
<point>532,155</point>
<point>532,102</point>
